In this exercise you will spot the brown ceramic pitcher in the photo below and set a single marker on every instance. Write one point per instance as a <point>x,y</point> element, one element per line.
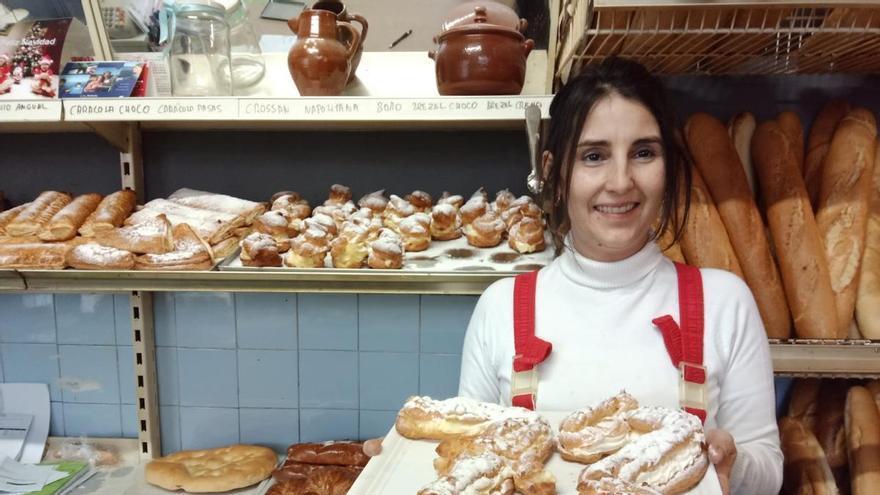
<point>343,15</point>
<point>319,63</point>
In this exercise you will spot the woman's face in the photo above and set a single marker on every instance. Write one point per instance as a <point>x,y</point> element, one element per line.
<point>617,180</point>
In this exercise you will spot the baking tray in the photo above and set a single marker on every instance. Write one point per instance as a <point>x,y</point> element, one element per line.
<point>455,256</point>
<point>405,466</point>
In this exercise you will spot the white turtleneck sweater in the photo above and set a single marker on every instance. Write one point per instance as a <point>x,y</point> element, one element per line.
<point>598,317</point>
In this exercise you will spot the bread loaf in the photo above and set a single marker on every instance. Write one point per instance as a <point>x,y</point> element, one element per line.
<point>817,145</point>
<point>7,216</point>
<point>704,241</point>
<point>868,296</point>
<point>717,160</point>
<point>804,401</point>
<point>798,246</point>
<point>31,219</point>
<point>63,226</point>
<point>110,213</point>
<point>873,386</point>
<point>741,129</point>
<point>830,430</point>
<point>863,441</point>
<point>33,256</point>
<point>794,130</point>
<point>806,471</point>
<point>842,216</point>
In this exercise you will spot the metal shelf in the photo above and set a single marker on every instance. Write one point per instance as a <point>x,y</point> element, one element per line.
<point>722,37</point>
<point>326,280</point>
<point>830,358</point>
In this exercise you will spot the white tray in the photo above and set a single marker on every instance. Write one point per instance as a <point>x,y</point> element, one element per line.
<point>442,256</point>
<point>405,466</point>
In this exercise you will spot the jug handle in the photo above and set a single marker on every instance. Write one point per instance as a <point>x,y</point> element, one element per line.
<point>364,26</point>
<point>355,38</point>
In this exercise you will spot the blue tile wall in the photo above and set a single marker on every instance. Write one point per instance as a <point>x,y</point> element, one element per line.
<point>89,374</point>
<point>328,379</point>
<point>122,318</point>
<point>328,322</point>
<point>388,323</point>
<point>35,363</point>
<point>129,420</point>
<point>169,428</point>
<point>375,424</point>
<point>96,420</point>
<point>205,319</point>
<point>444,320</point>
<point>27,318</point>
<point>438,375</point>
<point>319,425</point>
<point>207,427</point>
<point>275,428</point>
<point>56,419</point>
<point>266,321</point>
<point>164,319</point>
<point>168,375</point>
<point>85,319</point>
<point>125,365</point>
<point>208,377</point>
<point>267,378</point>
<point>387,379</point>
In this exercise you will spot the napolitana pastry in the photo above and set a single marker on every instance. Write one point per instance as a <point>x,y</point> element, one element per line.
<point>445,222</point>
<point>32,218</point>
<point>111,213</point>
<point>386,252</point>
<point>93,256</point>
<point>484,231</point>
<point>64,224</point>
<point>152,236</point>
<point>191,252</point>
<point>34,256</point>
<point>527,235</point>
<point>415,232</point>
<point>259,249</point>
<point>211,470</point>
<point>249,210</point>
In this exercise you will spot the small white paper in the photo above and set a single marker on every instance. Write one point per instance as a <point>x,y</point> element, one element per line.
<point>32,399</point>
<point>23,478</point>
<point>13,431</point>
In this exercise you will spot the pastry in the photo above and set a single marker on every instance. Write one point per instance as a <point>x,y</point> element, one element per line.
<point>591,433</point>
<point>415,231</point>
<point>421,201</point>
<point>475,207</point>
<point>325,480</point>
<point>309,249</point>
<point>191,252</point>
<point>863,441</point>
<point>211,470</point>
<point>805,469</point>
<point>350,249</point>
<point>526,236</point>
<point>522,207</point>
<point>818,142</point>
<point>225,247</point>
<point>153,236</point>
<point>335,453</point>
<point>868,297</point>
<point>275,223</point>
<point>666,453</point>
<point>9,215</point>
<point>480,193</point>
<point>323,222</point>
<point>294,196</point>
<point>63,226</point>
<point>486,474</point>
<point>375,201</point>
<point>213,226</point>
<point>249,210</point>
<point>93,256</point>
<point>484,231</point>
<point>503,200</point>
<point>111,213</point>
<point>295,206</point>
<point>34,256</point>
<point>397,209</point>
<point>451,199</point>
<point>339,195</point>
<point>427,418</point>
<point>259,249</point>
<point>445,222</point>
<point>32,218</point>
<point>386,252</point>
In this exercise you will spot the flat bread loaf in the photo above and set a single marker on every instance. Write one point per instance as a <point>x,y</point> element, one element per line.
<point>212,470</point>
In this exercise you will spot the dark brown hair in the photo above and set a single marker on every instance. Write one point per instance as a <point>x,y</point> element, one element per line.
<point>569,111</point>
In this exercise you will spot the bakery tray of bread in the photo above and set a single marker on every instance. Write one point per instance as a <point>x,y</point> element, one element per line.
<point>458,445</point>
<point>412,233</point>
<point>191,230</point>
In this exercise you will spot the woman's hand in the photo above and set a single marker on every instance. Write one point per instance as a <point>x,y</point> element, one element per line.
<point>373,447</point>
<point>722,453</point>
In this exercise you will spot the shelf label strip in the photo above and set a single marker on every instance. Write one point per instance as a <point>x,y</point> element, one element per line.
<point>151,109</point>
<point>44,110</point>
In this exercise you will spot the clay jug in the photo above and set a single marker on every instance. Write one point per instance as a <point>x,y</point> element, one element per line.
<point>342,14</point>
<point>319,63</point>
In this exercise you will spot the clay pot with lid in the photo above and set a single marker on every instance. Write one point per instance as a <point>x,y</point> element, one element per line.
<point>496,13</point>
<point>481,58</point>
<point>318,62</point>
<point>343,35</point>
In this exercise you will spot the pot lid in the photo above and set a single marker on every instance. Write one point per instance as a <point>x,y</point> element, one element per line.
<point>496,13</point>
<point>481,25</point>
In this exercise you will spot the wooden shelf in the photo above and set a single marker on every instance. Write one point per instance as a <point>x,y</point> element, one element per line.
<point>835,358</point>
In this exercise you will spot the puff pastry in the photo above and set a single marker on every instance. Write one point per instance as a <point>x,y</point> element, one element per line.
<point>31,219</point>
<point>153,236</point>
<point>93,256</point>
<point>213,226</point>
<point>9,215</point>
<point>34,256</point>
<point>63,226</point>
<point>111,213</point>
<point>191,252</point>
<point>218,202</point>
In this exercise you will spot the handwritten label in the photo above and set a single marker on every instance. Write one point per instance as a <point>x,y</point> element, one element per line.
<point>30,110</point>
<point>152,109</point>
<point>264,109</point>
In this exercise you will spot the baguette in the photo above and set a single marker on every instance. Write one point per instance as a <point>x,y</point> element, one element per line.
<point>806,470</point>
<point>830,430</point>
<point>717,160</point>
<point>31,219</point>
<point>817,145</point>
<point>34,256</point>
<point>868,296</point>
<point>842,216</point>
<point>794,130</point>
<point>741,129</point>
<point>63,226</point>
<point>863,441</point>
<point>704,241</point>
<point>873,386</point>
<point>7,216</point>
<point>795,236</point>
<point>110,214</point>
<point>804,401</point>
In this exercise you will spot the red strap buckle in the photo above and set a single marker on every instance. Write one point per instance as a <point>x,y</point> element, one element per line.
<point>529,349</point>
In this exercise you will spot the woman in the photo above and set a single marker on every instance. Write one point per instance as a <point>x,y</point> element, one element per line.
<point>612,166</point>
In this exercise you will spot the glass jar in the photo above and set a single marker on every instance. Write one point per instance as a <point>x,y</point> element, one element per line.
<point>200,50</point>
<point>248,66</point>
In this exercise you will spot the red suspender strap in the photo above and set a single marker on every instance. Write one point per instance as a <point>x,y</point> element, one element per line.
<point>685,343</point>
<point>529,350</point>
